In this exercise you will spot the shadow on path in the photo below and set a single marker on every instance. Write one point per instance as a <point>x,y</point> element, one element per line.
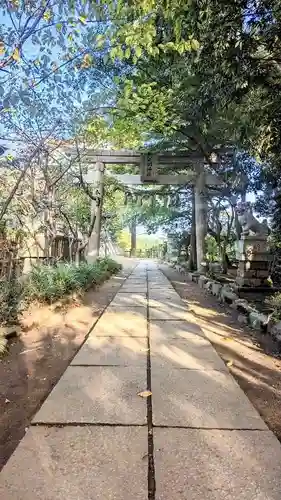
<point>252,357</point>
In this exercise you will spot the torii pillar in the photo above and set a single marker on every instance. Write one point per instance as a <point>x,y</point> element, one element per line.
<point>201,221</point>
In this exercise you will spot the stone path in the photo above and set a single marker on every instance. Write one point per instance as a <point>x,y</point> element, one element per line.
<point>95,437</point>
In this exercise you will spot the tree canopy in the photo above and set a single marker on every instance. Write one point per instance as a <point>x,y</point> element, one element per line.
<point>165,75</point>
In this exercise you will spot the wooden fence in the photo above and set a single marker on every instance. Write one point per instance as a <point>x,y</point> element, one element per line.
<point>8,258</point>
<point>14,262</point>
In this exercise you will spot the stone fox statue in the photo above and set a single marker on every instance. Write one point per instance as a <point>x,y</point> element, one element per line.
<point>248,221</point>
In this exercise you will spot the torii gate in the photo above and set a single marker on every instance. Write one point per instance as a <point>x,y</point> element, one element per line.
<point>150,164</point>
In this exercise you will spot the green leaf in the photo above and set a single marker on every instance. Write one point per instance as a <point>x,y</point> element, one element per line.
<point>83,19</point>
<point>170,45</point>
<point>194,44</point>
<point>105,58</point>
<point>138,51</point>
<point>113,53</point>
<point>47,15</point>
<point>127,53</point>
<point>177,29</point>
<point>181,48</point>
<point>100,40</point>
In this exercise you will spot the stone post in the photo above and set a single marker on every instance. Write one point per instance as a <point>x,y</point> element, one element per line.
<point>96,212</point>
<point>201,221</point>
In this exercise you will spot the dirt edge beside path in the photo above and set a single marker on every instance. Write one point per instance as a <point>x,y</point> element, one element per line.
<point>37,359</point>
<point>252,357</point>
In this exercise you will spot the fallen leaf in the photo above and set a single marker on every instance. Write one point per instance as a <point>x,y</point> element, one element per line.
<point>145,394</point>
<point>87,61</point>
<point>146,454</point>
<point>230,362</point>
<point>226,339</point>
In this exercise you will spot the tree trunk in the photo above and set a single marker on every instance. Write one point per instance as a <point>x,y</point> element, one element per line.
<point>238,228</point>
<point>133,231</point>
<point>224,257</point>
<point>94,236</point>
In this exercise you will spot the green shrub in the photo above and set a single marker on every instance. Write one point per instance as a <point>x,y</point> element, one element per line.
<point>49,283</point>
<point>10,301</point>
<point>274,302</point>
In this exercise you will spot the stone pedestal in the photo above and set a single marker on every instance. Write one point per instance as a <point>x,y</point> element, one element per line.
<point>254,261</point>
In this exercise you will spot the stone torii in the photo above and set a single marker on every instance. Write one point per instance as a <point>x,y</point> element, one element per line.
<point>150,173</point>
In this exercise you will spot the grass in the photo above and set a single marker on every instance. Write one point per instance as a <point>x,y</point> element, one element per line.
<point>10,298</point>
<point>47,284</point>
<point>50,283</point>
<point>274,302</point>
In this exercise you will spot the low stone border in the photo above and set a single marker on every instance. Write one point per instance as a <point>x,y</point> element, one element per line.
<point>226,294</point>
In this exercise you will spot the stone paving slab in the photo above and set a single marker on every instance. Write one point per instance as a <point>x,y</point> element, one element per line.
<point>160,286</point>
<point>136,282</point>
<point>164,295</point>
<point>158,279</point>
<point>106,395</point>
<point>139,309</point>
<point>126,299</point>
<point>174,329</point>
<point>124,324</point>
<point>122,351</point>
<point>155,299</point>
<point>207,399</point>
<point>77,463</point>
<point>135,285</point>
<point>193,352</point>
<point>139,273</point>
<point>133,289</point>
<point>163,302</point>
<point>217,465</point>
<point>171,313</point>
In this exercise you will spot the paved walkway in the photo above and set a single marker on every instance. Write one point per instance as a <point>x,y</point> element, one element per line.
<point>99,437</point>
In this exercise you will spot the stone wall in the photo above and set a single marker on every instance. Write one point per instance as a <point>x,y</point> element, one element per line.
<point>247,314</point>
